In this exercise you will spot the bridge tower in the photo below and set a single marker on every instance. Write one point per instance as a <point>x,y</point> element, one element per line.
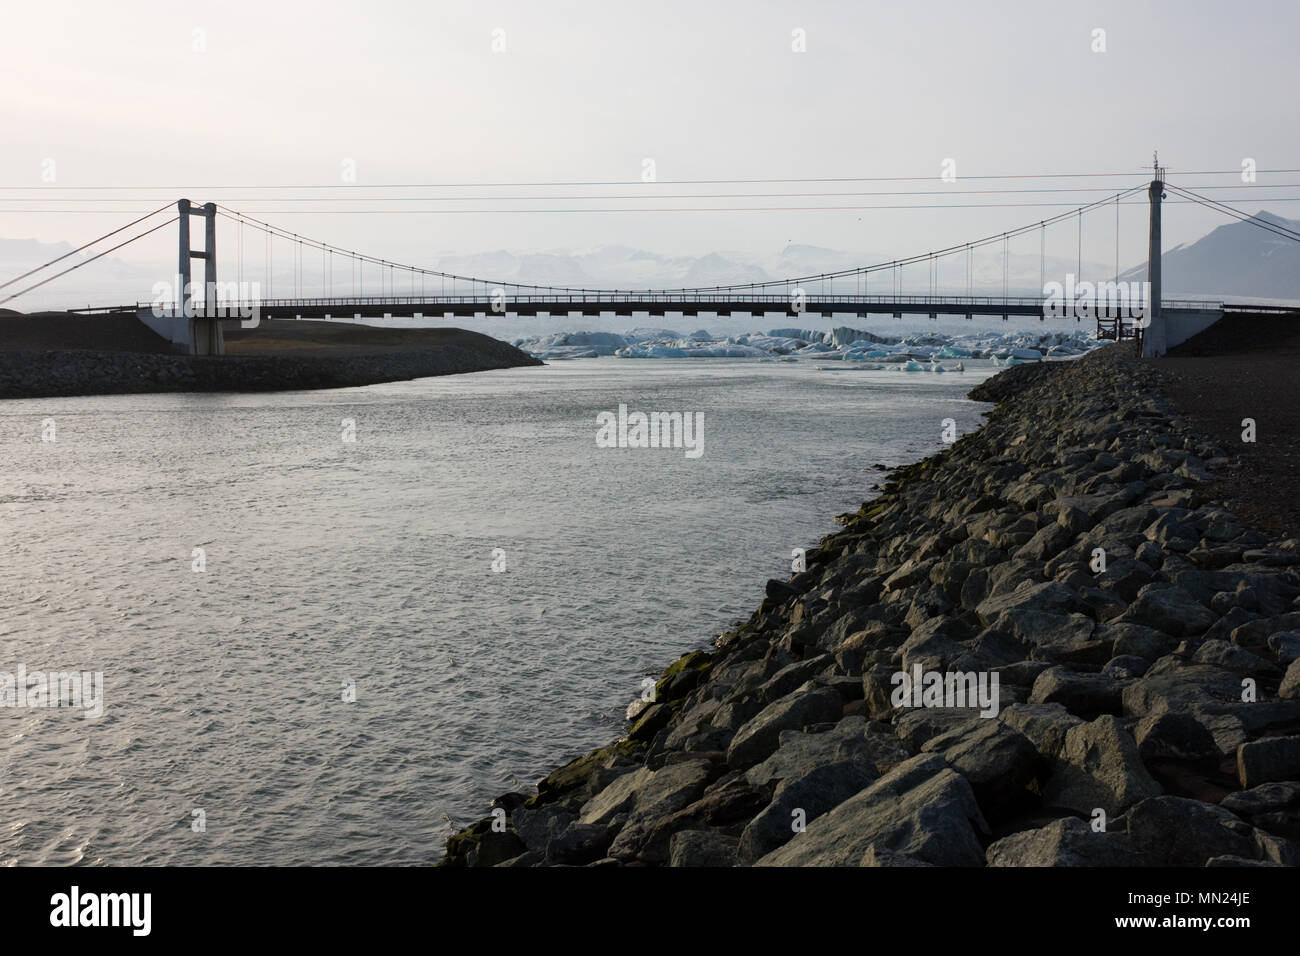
<point>205,327</point>
<point>1153,336</point>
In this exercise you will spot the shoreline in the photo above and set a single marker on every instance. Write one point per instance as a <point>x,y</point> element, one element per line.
<point>72,372</point>
<point>1120,691</point>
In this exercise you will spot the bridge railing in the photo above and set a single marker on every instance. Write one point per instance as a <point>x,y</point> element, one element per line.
<point>656,298</point>
<point>953,304</point>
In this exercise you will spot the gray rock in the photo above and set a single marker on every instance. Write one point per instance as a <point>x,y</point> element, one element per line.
<point>691,722</point>
<point>935,644</point>
<point>820,790</point>
<point>1180,737</point>
<point>1290,686</point>
<point>1099,766</point>
<point>920,808</point>
<point>1233,658</point>
<point>1164,607</point>
<point>1181,688</point>
<point>1139,641</point>
<point>1255,634</point>
<point>702,848</point>
<point>997,760</point>
<point>1066,842</point>
<point>1274,807</point>
<point>1044,725</point>
<point>1268,760</point>
<point>1285,645</point>
<point>1265,798</point>
<point>790,677</point>
<point>1049,541</point>
<point>536,826</point>
<point>579,844</point>
<point>1044,628</point>
<point>1080,693</point>
<point>915,726</point>
<point>1079,513</point>
<point>1236,861</point>
<point>1021,673</point>
<point>1051,596</point>
<point>618,797</point>
<point>1176,831</point>
<point>879,856</point>
<point>666,791</point>
<point>759,737</point>
<point>1125,666</point>
<point>799,752</point>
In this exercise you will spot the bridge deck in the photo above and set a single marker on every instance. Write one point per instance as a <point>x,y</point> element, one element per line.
<point>655,304</point>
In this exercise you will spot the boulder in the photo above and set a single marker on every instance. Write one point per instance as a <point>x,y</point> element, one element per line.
<point>997,760</point>
<point>1084,694</point>
<point>1045,725</point>
<point>1285,646</point>
<point>805,798</point>
<point>1065,842</point>
<point>702,848</point>
<point>1044,628</point>
<point>1233,658</point>
<point>1099,766</point>
<point>1268,760</point>
<point>1289,689</point>
<point>877,855</point>
<point>1139,641</point>
<point>921,808</point>
<point>1181,688</point>
<point>578,844</point>
<point>759,737</point>
<point>663,793</point>
<point>1051,596</point>
<point>616,798</point>
<point>799,753</point>
<point>1274,807</point>
<point>1178,737</point>
<point>1176,831</point>
<point>1164,607</point>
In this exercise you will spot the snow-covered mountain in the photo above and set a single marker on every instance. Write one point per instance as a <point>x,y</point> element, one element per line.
<point>1236,259</point>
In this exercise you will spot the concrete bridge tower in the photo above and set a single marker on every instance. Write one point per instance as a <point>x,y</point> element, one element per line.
<point>1154,337</point>
<point>204,327</point>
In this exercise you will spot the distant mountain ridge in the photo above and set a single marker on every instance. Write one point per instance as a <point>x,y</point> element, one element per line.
<point>1235,259</point>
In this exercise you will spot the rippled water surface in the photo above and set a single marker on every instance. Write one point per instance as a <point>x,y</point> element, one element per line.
<point>370,562</point>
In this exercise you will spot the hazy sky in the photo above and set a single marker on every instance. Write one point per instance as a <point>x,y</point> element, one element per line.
<point>195,96</point>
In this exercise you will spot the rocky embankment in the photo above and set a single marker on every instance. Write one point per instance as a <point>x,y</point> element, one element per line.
<point>46,373</point>
<point>1145,646</point>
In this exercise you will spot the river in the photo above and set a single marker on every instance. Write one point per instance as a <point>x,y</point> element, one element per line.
<point>326,651</point>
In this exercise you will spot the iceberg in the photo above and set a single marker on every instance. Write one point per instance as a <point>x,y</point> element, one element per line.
<point>853,347</point>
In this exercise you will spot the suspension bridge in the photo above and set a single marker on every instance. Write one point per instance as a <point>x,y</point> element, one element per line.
<point>194,314</point>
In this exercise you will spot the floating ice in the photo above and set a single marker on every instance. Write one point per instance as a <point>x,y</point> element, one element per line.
<point>852,348</point>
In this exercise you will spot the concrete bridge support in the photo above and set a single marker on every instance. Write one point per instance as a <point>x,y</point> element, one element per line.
<point>204,326</point>
<point>1154,338</point>
<point>192,329</point>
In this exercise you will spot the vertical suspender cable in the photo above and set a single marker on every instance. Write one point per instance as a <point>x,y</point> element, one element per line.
<point>1117,237</point>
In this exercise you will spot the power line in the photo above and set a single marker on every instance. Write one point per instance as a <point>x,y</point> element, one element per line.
<point>603,197</point>
<point>639,209</point>
<point>1280,230</point>
<point>634,182</point>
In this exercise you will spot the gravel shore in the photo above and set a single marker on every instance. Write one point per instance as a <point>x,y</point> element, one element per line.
<point>44,373</point>
<point>1131,650</point>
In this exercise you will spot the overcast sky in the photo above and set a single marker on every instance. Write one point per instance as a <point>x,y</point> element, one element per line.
<point>195,96</point>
